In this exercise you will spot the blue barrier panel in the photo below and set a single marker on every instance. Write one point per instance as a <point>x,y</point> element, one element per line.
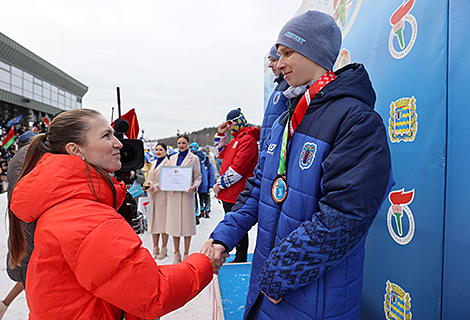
<point>456,281</point>
<point>234,279</point>
<point>403,267</point>
<point>404,46</point>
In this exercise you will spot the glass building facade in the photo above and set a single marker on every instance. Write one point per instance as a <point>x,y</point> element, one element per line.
<point>24,84</point>
<point>33,87</point>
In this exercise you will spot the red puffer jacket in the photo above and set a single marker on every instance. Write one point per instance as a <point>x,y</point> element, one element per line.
<point>242,155</point>
<point>88,263</point>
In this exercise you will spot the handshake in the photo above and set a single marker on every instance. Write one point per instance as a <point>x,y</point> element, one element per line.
<point>216,254</point>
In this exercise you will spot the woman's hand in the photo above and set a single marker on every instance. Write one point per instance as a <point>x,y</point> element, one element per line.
<point>208,250</point>
<point>192,189</point>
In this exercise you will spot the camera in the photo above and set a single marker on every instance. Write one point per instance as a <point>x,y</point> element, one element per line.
<point>132,151</point>
<point>132,159</point>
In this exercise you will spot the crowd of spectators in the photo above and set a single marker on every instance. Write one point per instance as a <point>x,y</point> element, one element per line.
<point>7,152</point>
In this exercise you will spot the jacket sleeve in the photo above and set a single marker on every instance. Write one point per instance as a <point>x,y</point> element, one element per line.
<point>112,264</point>
<point>210,168</point>
<point>219,144</point>
<point>356,178</point>
<point>139,176</point>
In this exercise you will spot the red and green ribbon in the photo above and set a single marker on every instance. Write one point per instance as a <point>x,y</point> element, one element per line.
<point>295,118</point>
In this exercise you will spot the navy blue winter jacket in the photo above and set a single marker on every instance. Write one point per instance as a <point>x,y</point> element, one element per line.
<point>205,182</point>
<point>277,104</point>
<point>310,249</point>
<point>204,187</point>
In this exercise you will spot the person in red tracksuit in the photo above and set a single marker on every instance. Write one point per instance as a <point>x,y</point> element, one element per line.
<point>239,159</point>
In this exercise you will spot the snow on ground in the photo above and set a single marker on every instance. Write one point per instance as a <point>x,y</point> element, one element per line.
<point>200,308</point>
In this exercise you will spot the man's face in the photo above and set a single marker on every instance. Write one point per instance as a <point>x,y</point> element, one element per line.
<point>272,64</point>
<point>298,70</point>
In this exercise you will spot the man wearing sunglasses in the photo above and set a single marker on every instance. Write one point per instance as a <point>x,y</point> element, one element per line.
<point>239,159</point>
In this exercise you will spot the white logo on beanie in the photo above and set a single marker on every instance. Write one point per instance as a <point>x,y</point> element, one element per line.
<point>295,37</point>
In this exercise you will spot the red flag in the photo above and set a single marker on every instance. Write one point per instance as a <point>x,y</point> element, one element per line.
<point>131,117</point>
<point>9,138</point>
<point>46,120</point>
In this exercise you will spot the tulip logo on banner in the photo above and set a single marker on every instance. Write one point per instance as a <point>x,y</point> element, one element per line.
<point>397,304</point>
<point>403,121</point>
<point>345,13</point>
<point>400,201</point>
<point>399,20</point>
<point>344,59</point>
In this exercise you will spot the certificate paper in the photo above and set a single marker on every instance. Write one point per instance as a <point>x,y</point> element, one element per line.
<point>173,178</point>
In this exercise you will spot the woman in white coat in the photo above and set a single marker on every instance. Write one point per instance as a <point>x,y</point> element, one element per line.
<point>159,202</point>
<point>181,220</point>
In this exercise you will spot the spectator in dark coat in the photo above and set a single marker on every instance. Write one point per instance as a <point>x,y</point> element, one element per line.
<point>18,273</point>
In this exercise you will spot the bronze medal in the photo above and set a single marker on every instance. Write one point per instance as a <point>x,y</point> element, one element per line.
<point>279,189</point>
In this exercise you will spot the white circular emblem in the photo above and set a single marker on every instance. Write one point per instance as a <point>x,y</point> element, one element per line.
<point>411,230</point>
<point>414,33</point>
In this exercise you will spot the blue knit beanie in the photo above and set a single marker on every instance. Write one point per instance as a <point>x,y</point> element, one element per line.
<point>238,118</point>
<point>273,53</point>
<point>313,34</point>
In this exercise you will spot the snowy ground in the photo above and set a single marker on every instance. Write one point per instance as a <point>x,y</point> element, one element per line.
<point>200,308</point>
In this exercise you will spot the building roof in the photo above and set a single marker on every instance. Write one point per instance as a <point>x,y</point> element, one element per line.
<point>20,57</point>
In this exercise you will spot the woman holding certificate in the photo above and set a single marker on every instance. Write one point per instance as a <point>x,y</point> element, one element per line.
<point>181,221</point>
<point>158,197</point>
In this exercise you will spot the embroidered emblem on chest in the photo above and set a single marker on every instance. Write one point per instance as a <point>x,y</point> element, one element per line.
<point>276,97</point>
<point>307,155</point>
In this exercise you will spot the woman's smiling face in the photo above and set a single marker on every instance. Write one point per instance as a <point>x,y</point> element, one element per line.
<point>101,147</point>
<point>183,144</point>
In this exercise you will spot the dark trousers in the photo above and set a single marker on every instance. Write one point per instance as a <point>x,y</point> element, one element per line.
<point>242,246</point>
<point>204,202</point>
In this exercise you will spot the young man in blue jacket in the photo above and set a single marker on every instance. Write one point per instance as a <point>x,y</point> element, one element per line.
<point>277,102</point>
<point>319,183</point>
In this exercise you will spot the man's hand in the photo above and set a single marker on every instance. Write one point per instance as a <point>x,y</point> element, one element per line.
<point>219,256</point>
<point>216,189</point>
<point>271,299</point>
<point>223,127</point>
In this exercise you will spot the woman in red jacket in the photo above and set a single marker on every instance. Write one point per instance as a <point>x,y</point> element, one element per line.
<point>88,263</point>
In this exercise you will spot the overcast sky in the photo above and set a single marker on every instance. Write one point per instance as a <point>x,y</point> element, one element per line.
<point>181,64</point>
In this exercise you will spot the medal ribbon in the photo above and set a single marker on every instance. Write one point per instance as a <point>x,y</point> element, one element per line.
<point>299,113</point>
